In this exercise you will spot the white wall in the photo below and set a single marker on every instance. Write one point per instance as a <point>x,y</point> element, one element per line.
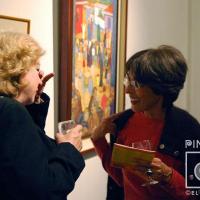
<point>155,22</point>
<point>91,184</point>
<point>194,94</point>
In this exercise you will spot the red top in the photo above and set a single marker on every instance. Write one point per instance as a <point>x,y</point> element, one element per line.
<point>139,127</point>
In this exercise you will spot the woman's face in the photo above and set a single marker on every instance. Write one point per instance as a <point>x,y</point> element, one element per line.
<point>143,99</point>
<point>32,80</point>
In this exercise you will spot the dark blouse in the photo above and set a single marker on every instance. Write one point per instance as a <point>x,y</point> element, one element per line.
<point>32,165</point>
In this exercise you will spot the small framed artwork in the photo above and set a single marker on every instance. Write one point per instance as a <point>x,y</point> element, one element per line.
<point>8,23</point>
<point>93,51</point>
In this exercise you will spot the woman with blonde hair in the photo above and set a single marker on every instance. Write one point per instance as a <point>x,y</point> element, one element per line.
<point>32,165</point>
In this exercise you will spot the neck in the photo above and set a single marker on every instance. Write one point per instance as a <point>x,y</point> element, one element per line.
<point>156,112</point>
<point>20,99</point>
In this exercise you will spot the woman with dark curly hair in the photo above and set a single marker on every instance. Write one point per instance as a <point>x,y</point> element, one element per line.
<point>154,78</point>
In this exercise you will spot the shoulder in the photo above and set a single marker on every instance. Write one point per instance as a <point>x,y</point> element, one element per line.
<point>182,115</point>
<point>9,106</point>
<point>182,121</point>
<point>7,102</point>
<point>123,118</point>
<point>126,114</point>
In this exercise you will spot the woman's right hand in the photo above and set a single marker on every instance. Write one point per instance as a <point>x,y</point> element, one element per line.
<point>106,126</point>
<point>73,137</point>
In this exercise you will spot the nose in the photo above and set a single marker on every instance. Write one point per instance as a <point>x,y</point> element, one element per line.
<point>41,73</point>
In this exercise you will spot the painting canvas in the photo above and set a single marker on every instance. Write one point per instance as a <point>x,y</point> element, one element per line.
<point>89,61</point>
<point>94,61</point>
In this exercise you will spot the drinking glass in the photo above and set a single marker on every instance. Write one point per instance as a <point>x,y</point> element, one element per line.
<point>146,144</point>
<point>65,126</point>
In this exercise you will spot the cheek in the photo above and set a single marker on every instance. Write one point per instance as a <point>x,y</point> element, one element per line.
<point>150,100</point>
<point>147,96</point>
<point>36,78</point>
<point>140,93</point>
<point>145,93</point>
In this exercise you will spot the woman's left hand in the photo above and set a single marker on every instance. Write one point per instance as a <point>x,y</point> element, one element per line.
<point>161,171</point>
<point>41,87</point>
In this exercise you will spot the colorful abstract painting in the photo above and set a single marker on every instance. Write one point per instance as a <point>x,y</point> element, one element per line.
<point>94,61</point>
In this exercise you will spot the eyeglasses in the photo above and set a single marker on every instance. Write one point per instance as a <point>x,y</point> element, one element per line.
<point>131,83</point>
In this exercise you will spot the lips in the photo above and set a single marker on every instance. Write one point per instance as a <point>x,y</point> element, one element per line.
<point>134,100</point>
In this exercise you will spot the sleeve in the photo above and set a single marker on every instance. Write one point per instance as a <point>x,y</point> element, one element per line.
<point>39,112</point>
<point>176,186</point>
<point>104,151</point>
<point>30,167</point>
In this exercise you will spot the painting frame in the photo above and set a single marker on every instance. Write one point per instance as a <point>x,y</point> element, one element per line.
<point>66,61</point>
<point>8,23</point>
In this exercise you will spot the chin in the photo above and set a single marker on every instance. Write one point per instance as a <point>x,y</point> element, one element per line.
<point>136,108</point>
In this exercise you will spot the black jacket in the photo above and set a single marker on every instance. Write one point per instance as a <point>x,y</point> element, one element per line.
<point>32,165</point>
<point>179,127</point>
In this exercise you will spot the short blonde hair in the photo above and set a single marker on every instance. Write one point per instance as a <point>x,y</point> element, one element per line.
<point>18,53</point>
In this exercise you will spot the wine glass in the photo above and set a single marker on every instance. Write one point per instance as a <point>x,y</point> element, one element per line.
<point>65,126</point>
<point>146,144</point>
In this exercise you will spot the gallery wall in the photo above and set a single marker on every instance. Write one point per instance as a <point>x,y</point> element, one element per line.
<point>156,22</point>
<point>194,54</point>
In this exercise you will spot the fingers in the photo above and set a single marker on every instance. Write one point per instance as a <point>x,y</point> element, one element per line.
<point>156,163</point>
<point>41,86</point>
<point>47,77</point>
<point>114,116</point>
<point>77,129</point>
<point>112,128</point>
<point>160,169</point>
<point>73,137</point>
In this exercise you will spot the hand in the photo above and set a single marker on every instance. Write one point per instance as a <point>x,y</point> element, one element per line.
<point>41,87</point>
<point>139,171</point>
<point>161,171</point>
<point>73,137</point>
<point>106,126</point>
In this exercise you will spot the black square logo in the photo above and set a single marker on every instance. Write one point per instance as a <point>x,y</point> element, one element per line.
<point>192,169</point>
